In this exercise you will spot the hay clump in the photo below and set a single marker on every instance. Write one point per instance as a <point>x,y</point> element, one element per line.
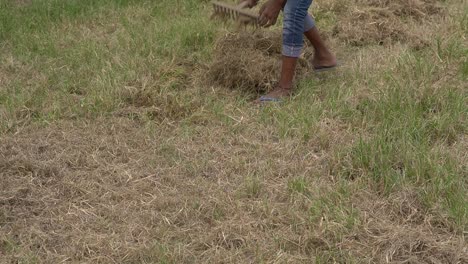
<point>247,61</point>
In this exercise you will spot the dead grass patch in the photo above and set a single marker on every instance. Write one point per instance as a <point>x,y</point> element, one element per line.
<point>384,22</point>
<point>82,191</point>
<point>21,3</point>
<point>163,95</point>
<point>112,192</point>
<point>398,229</point>
<point>13,70</point>
<point>145,106</point>
<point>416,9</point>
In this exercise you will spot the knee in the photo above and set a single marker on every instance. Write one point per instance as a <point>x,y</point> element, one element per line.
<point>309,23</point>
<point>296,17</point>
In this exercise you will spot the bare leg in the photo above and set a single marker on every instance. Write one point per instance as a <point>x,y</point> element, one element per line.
<point>287,72</point>
<point>323,56</point>
<point>296,21</point>
<point>284,87</point>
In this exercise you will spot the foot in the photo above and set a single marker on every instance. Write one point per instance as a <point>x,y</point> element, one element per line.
<point>275,96</point>
<point>324,60</point>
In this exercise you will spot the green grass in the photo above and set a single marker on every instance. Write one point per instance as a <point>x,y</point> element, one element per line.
<point>390,118</point>
<point>92,52</point>
<point>298,185</point>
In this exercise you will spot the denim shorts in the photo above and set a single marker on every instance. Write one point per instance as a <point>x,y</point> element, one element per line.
<point>296,21</point>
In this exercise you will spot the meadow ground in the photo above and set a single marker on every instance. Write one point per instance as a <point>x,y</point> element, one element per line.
<point>127,135</point>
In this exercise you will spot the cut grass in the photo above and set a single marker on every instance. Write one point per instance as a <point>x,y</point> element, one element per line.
<point>112,148</point>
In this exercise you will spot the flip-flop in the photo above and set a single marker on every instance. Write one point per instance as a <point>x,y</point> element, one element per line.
<point>325,68</point>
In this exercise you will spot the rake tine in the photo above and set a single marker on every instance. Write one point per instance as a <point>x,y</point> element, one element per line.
<point>237,13</point>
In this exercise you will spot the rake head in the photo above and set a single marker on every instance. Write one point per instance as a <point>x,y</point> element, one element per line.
<point>237,13</point>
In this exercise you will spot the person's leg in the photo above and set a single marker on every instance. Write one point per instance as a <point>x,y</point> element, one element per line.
<point>284,88</point>
<point>323,56</point>
<point>295,12</point>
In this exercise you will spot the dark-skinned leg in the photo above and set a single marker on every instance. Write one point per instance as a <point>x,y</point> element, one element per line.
<point>323,57</point>
<point>288,67</point>
<point>285,84</point>
<point>295,12</point>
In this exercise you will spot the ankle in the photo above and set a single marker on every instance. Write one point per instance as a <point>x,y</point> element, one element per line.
<point>287,87</point>
<point>322,54</point>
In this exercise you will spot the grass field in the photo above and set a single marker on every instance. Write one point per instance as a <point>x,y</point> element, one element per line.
<point>119,143</point>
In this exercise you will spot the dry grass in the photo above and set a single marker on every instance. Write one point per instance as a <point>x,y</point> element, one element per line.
<point>109,192</point>
<point>151,153</point>
<point>248,61</point>
<point>400,229</point>
<point>92,179</point>
<point>384,22</point>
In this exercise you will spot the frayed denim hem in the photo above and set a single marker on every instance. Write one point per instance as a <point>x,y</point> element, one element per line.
<point>292,51</point>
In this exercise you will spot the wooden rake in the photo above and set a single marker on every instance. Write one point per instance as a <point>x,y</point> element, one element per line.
<point>237,13</point>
